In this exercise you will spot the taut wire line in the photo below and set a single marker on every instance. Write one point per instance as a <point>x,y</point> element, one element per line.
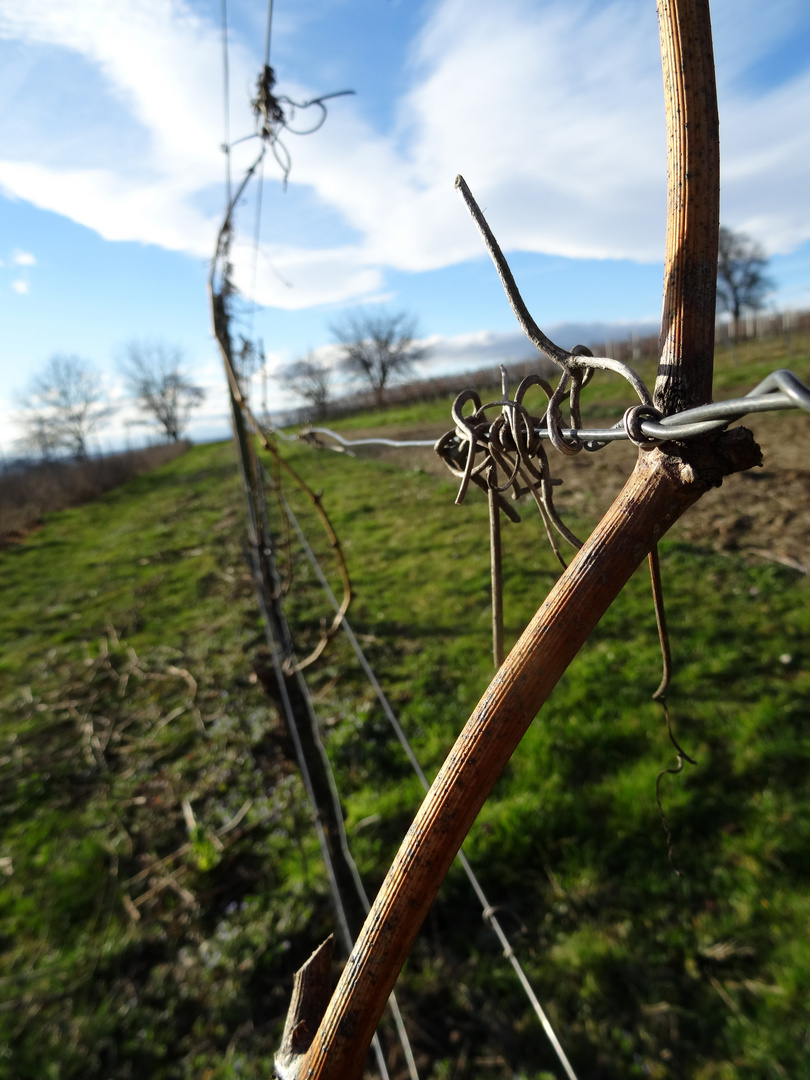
<point>285,666</point>
<point>275,649</point>
<point>781,389</point>
<point>268,106</point>
<point>256,235</point>
<point>226,146</point>
<point>267,33</point>
<point>480,449</point>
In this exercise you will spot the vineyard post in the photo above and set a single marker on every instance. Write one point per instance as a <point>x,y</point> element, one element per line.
<point>664,483</point>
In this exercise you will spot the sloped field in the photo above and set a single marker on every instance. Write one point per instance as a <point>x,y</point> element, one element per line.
<point>160,880</point>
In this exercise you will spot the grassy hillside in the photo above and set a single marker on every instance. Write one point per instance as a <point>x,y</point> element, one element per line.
<point>29,492</point>
<point>161,882</point>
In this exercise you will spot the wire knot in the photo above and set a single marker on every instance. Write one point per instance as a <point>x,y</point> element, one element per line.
<point>632,421</point>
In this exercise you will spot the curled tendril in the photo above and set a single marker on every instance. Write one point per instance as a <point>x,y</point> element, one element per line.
<point>681,756</point>
<point>578,365</point>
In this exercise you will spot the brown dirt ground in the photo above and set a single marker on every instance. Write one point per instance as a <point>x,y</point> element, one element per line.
<point>763,513</point>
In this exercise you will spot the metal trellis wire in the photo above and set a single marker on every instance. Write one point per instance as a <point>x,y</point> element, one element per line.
<point>781,389</point>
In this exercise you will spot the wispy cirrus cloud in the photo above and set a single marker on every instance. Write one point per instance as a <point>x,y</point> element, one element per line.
<point>21,262</point>
<point>553,111</point>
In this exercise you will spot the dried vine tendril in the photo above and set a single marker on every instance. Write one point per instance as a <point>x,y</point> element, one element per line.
<point>661,695</point>
<point>506,453</point>
<point>480,451</point>
<point>511,445</point>
<point>275,112</point>
<point>682,756</point>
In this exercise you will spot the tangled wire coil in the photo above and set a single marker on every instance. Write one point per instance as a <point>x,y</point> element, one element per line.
<point>271,118</point>
<point>509,446</point>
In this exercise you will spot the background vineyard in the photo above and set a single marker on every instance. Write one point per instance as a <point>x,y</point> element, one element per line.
<point>160,879</point>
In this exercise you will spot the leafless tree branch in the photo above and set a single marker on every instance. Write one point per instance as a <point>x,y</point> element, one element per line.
<point>63,405</point>
<point>310,379</point>
<point>154,374</point>
<point>375,349</point>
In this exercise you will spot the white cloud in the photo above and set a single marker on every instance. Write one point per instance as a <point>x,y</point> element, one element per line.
<point>156,56</point>
<point>118,208</point>
<point>20,287</point>
<point>24,258</point>
<point>567,155</point>
<point>296,278</point>
<point>553,112</point>
<point>156,59</point>
<point>766,166</point>
<point>460,352</point>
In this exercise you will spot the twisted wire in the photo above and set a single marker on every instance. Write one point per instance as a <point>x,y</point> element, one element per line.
<point>781,389</point>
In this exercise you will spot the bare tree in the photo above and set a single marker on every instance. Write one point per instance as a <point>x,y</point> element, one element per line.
<point>378,348</point>
<point>62,407</point>
<point>741,278</point>
<point>154,374</point>
<point>310,379</point>
<point>39,430</point>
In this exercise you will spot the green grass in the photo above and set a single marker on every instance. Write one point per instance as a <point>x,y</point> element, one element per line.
<point>125,686</point>
<point>571,839</point>
<point>126,611</point>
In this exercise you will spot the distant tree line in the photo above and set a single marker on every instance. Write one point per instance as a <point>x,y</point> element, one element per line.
<point>30,491</point>
<point>65,403</point>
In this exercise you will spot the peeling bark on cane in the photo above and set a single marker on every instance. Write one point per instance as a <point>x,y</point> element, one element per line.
<point>312,986</point>
<point>693,206</point>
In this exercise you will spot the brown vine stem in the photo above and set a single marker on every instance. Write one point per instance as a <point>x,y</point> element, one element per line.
<point>496,570</point>
<point>686,348</point>
<point>661,487</point>
<point>657,493</point>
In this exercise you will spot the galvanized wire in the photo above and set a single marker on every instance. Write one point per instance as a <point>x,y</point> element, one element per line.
<point>507,451</point>
<point>285,665</point>
<point>487,908</point>
<point>782,389</point>
<point>309,435</point>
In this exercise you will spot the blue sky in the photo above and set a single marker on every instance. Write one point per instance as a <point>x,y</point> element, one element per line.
<point>111,173</point>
